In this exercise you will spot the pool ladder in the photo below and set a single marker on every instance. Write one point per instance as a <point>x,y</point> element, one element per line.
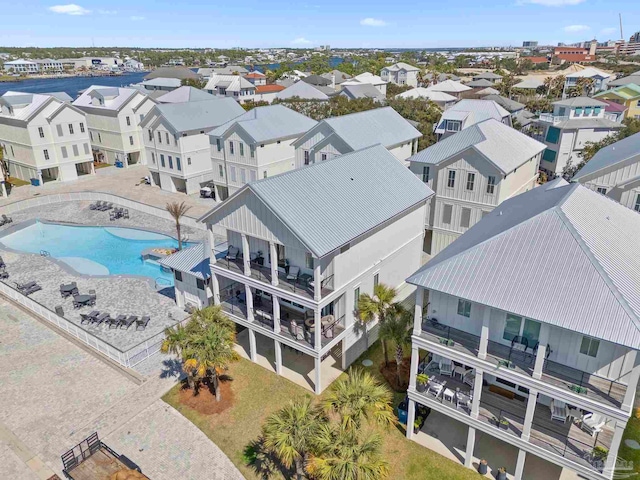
<point>44,253</point>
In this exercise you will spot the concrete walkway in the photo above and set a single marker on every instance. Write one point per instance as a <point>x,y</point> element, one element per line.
<point>54,393</point>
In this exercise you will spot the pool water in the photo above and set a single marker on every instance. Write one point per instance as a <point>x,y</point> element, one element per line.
<point>95,250</point>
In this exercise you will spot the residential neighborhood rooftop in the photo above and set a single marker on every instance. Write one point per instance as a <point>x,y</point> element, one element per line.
<point>114,98</point>
<point>449,86</point>
<point>172,72</point>
<point>185,94</point>
<point>580,102</point>
<point>302,90</point>
<point>506,103</point>
<point>610,155</point>
<point>192,260</point>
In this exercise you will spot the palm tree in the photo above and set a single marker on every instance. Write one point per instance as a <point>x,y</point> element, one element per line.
<point>548,85</point>
<point>381,307</point>
<point>289,433</point>
<point>396,329</point>
<point>176,342</point>
<point>345,455</point>
<point>360,397</point>
<point>177,210</point>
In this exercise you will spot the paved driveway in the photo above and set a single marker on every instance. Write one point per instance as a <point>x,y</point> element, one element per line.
<point>54,392</point>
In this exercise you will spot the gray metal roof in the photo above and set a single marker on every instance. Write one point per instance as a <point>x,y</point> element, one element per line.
<point>184,94</point>
<point>380,125</point>
<point>193,260</point>
<point>162,82</point>
<point>506,103</point>
<point>587,122</point>
<point>21,99</point>
<point>473,111</point>
<point>560,254</point>
<point>302,90</point>
<point>205,115</point>
<point>365,90</point>
<point>62,96</point>
<point>488,76</point>
<point>633,78</point>
<point>611,155</point>
<point>268,123</point>
<point>172,72</point>
<point>501,145</point>
<point>481,82</point>
<point>580,102</point>
<point>359,191</point>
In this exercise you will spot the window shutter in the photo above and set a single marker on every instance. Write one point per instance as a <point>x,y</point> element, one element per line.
<point>59,129</point>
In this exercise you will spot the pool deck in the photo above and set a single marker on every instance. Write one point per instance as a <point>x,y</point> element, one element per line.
<point>116,294</point>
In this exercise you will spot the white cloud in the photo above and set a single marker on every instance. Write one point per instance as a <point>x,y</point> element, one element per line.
<point>551,3</point>
<point>70,9</point>
<point>136,18</point>
<point>576,28</point>
<point>300,41</point>
<point>608,31</point>
<point>107,12</point>
<point>373,22</point>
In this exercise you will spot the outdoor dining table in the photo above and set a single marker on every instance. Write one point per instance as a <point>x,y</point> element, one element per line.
<point>82,299</point>
<point>68,288</point>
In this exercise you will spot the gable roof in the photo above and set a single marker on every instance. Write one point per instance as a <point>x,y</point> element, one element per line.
<point>263,124</point>
<point>31,104</point>
<point>302,90</point>
<point>365,90</point>
<point>433,95</point>
<point>62,96</point>
<point>121,96</point>
<point>504,147</point>
<point>401,66</point>
<point>162,82</point>
<point>359,130</point>
<point>506,103</point>
<point>232,83</point>
<point>190,116</point>
<point>360,190</point>
<point>481,82</point>
<point>193,260</point>
<point>610,155</point>
<point>588,72</point>
<point>633,78</point>
<point>488,76</point>
<point>365,77</point>
<point>184,94</point>
<point>316,80</point>
<point>339,76</point>
<point>590,286</point>
<point>580,102</point>
<point>629,91</point>
<point>269,88</point>
<point>472,111</point>
<point>529,83</point>
<point>449,86</point>
<point>172,72</point>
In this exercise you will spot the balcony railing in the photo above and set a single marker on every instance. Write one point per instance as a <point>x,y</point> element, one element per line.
<point>551,118</point>
<point>590,385</point>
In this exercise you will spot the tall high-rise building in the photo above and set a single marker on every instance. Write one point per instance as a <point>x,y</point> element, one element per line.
<point>529,44</point>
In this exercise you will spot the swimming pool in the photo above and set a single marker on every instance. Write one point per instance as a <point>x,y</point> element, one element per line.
<point>95,250</point>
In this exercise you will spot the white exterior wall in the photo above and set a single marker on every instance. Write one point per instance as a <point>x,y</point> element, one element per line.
<point>187,292</point>
<point>610,177</point>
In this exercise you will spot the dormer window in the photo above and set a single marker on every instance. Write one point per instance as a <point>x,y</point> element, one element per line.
<point>452,126</point>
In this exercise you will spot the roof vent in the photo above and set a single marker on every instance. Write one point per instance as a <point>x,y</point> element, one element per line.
<point>500,213</point>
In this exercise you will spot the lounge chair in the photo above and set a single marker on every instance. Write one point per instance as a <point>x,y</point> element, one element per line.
<point>94,314</point>
<point>126,213</point>
<point>32,289</point>
<point>232,253</point>
<point>93,206</point>
<point>293,273</point>
<point>142,323</point>
<point>103,317</point>
<point>2,264</point>
<point>129,321</point>
<point>469,377</point>
<point>120,319</point>
<point>6,219</point>
<point>112,322</point>
<point>592,423</point>
<point>559,411</point>
<point>113,216</point>
<point>436,388</point>
<point>92,293</point>
<point>109,206</point>
<point>84,318</point>
<point>3,274</point>
<point>24,286</point>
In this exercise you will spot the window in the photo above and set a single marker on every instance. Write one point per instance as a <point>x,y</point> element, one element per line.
<point>241,149</point>
<point>324,157</point>
<point>252,151</point>
<point>221,171</point>
<point>170,161</point>
<point>636,207</point>
<point>153,158</point>
<point>200,284</point>
<point>471,178</point>
<point>425,174</point>
<point>141,116</point>
<point>166,135</point>
<point>451,180</point>
<point>491,184</point>
<point>81,127</point>
<point>218,144</point>
<point>531,331</point>
<point>41,132</point>
<point>178,275</point>
<point>306,157</point>
<point>447,211</point>
<point>253,175</point>
<point>86,149</point>
<point>243,175</point>
<point>71,129</point>
<point>452,126</point>
<point>99,138</point>
<point>465,218</point>
<point>356,298</point>
<point>589,346</point>
<point>150,135</point>
<point>75,150</point>
<point>601,190</point>
<point>308,260</point>
<point>178,165</point>
<point>128,122</point>
<point>231,148</point>
<point>90,135</point>
<point>464,308</point>
<point>130,140</point>
<point>264,174</point>
<point>232,173</point>
<point>512,327</point>
<point>45,151</point>
<point>59,129</point>
<point>188,160</point>
<point>64,152</point>
<point>162,160</point>
<point>553,135</point>
<point>376,280</point>
<point>159,137</point>
<point>175,138</point>
<point>12,154</point>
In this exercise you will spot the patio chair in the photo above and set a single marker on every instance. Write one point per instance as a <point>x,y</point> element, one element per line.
<point>2,264</point>
<point>99,319</point>
<point>94,206</point>
<point>293,327</point>
<point>592,423</point>
<point>120,318</point>
<point>463,399</point>
<point>293,273</point>
<point>32,289</point>
<point>129,321</point>
<point>84,318</point>
<point>6,219</point>
<point>125,214</point>
<point>113,216</point>
<point>232,253</point>
<point>112,322</point>
<point>109,206</point>
<point>59,311</point>
<point>142,323</point>
<point>469,377</point>
<point>436,388</point>
<point>92,293</point>
<point>446,367</point>
<point>559,410</point>
<point>3,274</point>
<point>24,286</point>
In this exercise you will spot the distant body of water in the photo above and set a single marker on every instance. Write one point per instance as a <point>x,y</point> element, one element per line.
<point>333,61</point>
<point>70,85</point>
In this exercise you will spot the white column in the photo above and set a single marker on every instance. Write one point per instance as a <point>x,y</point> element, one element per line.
<point>278,349</point>
<point>477,392</point>
<point>273,254</point>
<point>40,177</point>
<point>530,412</point>
<point>252,345</point>
<point>415,358</point>
<point>522,455</point>
<point>317,281</point>
<point>4,189</point>
<point>471,444</point>
<point>215,288</point>
<point>542,350</point>
<point>212,243</point>
<point>93,168</point>
<point>610,464</point>
<point>632,382</point>
<point>249,302</point>
<point>246,255</point>
<point>317,342</point>
<point>276,313</point>
<point>484,333</point>
<point>417,317</point>
<point>411,417</point>
<point>318,385</point>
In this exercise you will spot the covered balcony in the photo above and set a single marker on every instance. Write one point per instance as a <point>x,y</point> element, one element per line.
<point>521,357</point>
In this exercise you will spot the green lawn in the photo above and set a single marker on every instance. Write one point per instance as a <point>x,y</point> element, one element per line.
<point>98,165</point>
<point>259,392</point>
<point>16,182</point>
<point>632,432</point>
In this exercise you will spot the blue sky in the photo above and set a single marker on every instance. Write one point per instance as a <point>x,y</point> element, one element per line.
<point>307,23</point>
